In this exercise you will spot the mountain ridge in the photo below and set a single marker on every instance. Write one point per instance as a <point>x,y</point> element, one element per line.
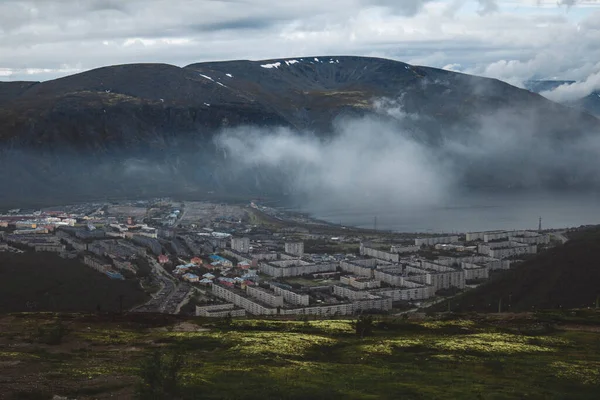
<point>81,126</point>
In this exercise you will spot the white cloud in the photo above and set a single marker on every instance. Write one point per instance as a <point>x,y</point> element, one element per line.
<point>511,40</point>
<point>575,91</point>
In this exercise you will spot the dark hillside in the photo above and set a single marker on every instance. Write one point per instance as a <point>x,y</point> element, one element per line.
<point>147,129</point>
<point>46,282</point>
<point>567,276</point>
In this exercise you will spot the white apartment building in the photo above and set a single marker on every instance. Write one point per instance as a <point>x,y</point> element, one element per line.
<point>291,297</point>
<point>265,296</point>
<point>436,275</point>
<point>491,236</point>
<point>365,250</point>
<point>50,247</point>
<point>432,241</point>
<point>404,249</point>
<point>513,251</point>
<point>239,298</point>
<point>241,245</point>
<point>351,293</point>
<point>286,268</point>
<point>363,268</point>
<point>475,271</point>
<point>486,261</point>
<point>220,311</point>
<point>506,249</point>
<point>409,292</point>
<point>295,248</point>
<point>532,238</point>
<point>96,263</point>
<point>359,282</point>
<point>373,303</point>
<point>393,276</point>
<point>321,310</point>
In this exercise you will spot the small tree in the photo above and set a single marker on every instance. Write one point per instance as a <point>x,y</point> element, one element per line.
<point>161,375</point>
<point>363,325</point>
<point>52,334</point>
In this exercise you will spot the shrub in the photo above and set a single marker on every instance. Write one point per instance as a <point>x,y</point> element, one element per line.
<point>51,334</point>
<point>363,326</point>
<point>160,375</point>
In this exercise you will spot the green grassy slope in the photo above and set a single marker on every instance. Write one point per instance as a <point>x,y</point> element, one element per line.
<point>260,359</point>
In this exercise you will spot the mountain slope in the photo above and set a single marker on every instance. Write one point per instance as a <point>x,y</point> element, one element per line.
<point>149,128</point>
<point>589,103</point>
<point>121,105</point>
<point>563,277</point>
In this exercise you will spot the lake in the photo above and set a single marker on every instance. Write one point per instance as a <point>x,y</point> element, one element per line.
<point>470,213</point>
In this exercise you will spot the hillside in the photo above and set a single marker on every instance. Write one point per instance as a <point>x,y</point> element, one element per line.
<point>127,104</point>
<point>101,357</point>
<point>589,103</point>
<point>565,277</point>
<point>46,282</point>
<point>149,129</point>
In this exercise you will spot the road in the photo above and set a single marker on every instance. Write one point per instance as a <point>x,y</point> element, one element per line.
<point>168,288</point>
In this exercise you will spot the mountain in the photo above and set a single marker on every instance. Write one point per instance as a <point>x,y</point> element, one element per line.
<point>97,131</point>
<point>589,103</point>
<point>563,277</point>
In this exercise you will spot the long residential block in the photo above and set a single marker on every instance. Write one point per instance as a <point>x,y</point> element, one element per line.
<point>220,311</point>
<point>432,241</point>
<point>240,299</point>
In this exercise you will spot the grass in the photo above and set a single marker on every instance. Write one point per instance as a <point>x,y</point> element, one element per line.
<point>251,359</point>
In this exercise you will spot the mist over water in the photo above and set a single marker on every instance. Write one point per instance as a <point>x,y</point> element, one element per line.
<point>376,166</point>
<point>477,212</point>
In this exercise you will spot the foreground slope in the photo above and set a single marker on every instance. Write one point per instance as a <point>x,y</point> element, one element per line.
<point>563,277</point>
<point>100,357</point>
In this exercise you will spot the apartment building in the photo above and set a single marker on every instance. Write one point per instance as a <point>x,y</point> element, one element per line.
<point>432,241</point>
<point>351,293</point>
<point>286,268</point>
<point>52,247</point>
<point>96,263</point>
<point>366,250</point>
<point>393,276</point>
<point>295,248</point>
<point>363,268</point>
<point>241,245</point>
<point>240,299</point>
<point>438,276</point>
<point>220,311</point>
<point>400,249</point>
<point>506,249</point>
<point>359,282</point>
<point>321,310</point>
<point>290,296</point>
<point>475,271</point>
<point>410,291</point>
<point>264,295</point>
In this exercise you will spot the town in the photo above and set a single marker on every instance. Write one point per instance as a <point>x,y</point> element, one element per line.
<point>237,260</point>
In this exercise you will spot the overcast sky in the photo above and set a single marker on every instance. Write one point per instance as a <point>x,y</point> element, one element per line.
<point>512,40</point>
